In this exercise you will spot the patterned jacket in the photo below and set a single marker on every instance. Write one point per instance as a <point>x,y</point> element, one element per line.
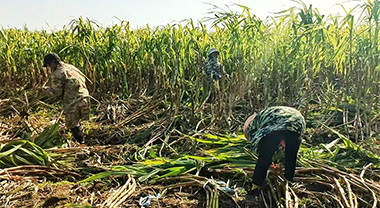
<point>277,118</point>
<point>213,69</point>
<point>68,83</point>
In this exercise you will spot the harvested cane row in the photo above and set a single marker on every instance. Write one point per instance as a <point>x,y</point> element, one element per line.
<point>198,161</point>
<point>317,185</point>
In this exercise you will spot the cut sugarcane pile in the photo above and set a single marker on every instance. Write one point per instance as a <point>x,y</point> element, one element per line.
<point>321,180</point>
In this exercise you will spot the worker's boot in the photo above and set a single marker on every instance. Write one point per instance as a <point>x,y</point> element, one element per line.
<point>78,134</point>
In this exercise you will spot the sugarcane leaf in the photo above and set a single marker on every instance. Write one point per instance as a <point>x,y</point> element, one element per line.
<point>10,151</point>
<point>174,171</point>
<point>346,140</point>
<point>158,161</point>
<point>136,168</point>
<point>208,141</point>
<point>149,175</point>
<point>107,174</point>
<point>37,158</point>
<point>22,161</point>
<point>152,153</point>
<point>204,159</point>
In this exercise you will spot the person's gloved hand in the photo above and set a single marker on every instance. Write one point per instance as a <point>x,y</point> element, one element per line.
<point>278,166</point>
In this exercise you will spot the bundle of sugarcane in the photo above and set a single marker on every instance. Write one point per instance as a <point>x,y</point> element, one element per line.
<point>22,152</point>
<point>120,195</point>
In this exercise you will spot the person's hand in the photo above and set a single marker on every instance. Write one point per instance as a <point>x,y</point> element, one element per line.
<point>278,166</point>
<point>273,166</point>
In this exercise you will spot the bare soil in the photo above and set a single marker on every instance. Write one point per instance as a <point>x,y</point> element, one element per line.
<point>31,194</point>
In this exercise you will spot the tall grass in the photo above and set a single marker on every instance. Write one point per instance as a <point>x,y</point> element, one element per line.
<point>300,58</point>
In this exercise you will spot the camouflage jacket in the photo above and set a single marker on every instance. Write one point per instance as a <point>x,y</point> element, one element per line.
<point>277,118</point>
<point>68,83</point>
<point>213,69</point>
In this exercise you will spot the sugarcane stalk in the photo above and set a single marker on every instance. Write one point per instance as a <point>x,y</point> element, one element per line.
<point>216,197</point>
<point>295,198</point>
<point>358,185</point>
<point>327,195</point>
<point>278,190</point>
<point>372,184</point>
<point>35,169</point>
<point>374,199</point>
<point>274,194</point>
<point>110,201</point>
<point>364,169</point>
<point>314,180</point>
<point>350,193</point>
<point>131,189</point>
<point>208,197</point>
<point>124,195</point>
<point>355,201</point>
<point>263,197</point>
<point>342,193</point>
<point>287,196</point>
<point>365,202</point>
<point>270,198</point>
<point>367,184</point>
<point>184,184</point>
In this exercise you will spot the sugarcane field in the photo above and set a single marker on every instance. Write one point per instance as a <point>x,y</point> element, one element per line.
<point>231,111</point>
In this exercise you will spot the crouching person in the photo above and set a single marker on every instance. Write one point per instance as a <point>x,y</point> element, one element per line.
<point>266,131</point>
<point>69,84</point>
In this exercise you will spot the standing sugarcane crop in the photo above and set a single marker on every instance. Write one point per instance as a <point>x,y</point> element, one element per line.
<point>69,84</point>
<point>266,130</point>
<point>212,70</point>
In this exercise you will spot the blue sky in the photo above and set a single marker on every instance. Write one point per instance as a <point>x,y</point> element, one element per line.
<point>54,14</point>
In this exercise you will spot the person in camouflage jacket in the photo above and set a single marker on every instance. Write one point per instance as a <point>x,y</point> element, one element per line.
<point>266,130</point>
<point>212,66</point>
<point>69,84</point>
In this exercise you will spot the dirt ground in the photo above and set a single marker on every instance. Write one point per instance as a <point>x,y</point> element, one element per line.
<point>31,194</point>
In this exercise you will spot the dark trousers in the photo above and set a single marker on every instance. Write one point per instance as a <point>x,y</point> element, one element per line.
<point>266,149</point>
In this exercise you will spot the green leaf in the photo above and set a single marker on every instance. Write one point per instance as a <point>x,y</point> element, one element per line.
<point>152,153</point>
<point>10,151</point>
<point>175,171</point>
<point>40,160</point>
<point>107,174</point>
<point>158,161</point>
<point>151,174</point>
